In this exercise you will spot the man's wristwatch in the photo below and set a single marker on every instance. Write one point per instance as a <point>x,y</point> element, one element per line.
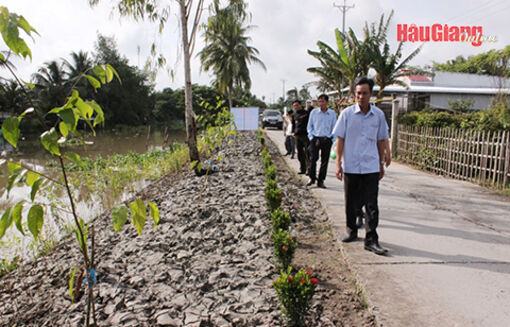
<point>382,162</point>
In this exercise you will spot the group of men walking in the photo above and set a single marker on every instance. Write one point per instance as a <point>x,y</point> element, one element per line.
<point>362,152</point>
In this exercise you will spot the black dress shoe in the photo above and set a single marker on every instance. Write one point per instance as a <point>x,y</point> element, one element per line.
<point>349,237</point>
<point>310,182</point>
<point>292,157</point>
<point>375,247</point>
<point>321,184</point>
<point>302,173</point>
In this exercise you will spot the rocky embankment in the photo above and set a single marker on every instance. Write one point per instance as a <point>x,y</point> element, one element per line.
<point>209,263</point>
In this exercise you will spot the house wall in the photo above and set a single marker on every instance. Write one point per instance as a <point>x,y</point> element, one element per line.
<point>440,101</point>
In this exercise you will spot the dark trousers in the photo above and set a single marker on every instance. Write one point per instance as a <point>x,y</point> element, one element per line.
<point>290,145</point>
<point>367,187</point>
<point>302,143</point>
<point>322,144</point>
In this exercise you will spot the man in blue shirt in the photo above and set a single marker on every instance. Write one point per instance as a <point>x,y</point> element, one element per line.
<point>362,141</point>
<point>319,128</point>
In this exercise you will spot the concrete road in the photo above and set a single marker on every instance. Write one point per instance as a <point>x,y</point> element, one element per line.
<point>449,249</point>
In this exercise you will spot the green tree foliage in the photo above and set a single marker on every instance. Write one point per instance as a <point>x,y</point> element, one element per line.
<point>353,57</point>
<point>127,102</point>
<point>51,85</point>
<point>12,99</point>
<point>65,115</point>
<point>493,62</point>
<point>331,77</point>
<point>227,53</point>
<point>75,68</point>
<point>389,67</point>
<point>461,105</point>
<point>349,60</point>
<point>169,104</point>
<point>247,99</point>
<point>497,117</point>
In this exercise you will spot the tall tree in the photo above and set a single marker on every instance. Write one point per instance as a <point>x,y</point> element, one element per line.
<point>190,12</point>
<point>292,95</point>
<point>79,64</point>
<point>495,62</point>
<point>51,85</point>
<point>304,94</point>
<point>127,102</point>
<point>227,53</point>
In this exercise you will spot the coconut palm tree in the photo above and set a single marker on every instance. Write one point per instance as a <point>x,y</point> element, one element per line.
<point>227,53</point>
<point>51,85</point>
<point>79,64</point>
<point>304,94</point>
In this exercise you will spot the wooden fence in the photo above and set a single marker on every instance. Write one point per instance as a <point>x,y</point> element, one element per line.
<point>477,156</point>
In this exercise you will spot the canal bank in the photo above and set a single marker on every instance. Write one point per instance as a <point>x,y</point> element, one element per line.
<point>209,262</point>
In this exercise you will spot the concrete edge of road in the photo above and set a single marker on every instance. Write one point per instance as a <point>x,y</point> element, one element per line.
<point>361,288</point>
<point>337,235</point>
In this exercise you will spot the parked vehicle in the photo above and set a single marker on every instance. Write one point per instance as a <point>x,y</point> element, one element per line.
<point>272,118</point>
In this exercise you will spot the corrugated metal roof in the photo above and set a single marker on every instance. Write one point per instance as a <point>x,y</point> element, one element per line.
<point>435,89</point>
<point>443,89</point>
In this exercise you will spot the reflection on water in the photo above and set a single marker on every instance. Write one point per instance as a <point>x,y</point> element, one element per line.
<point>32,155</point>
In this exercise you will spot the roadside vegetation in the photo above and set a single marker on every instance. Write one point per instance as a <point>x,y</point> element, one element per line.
<point>497,117</point>
<point>131,102</point>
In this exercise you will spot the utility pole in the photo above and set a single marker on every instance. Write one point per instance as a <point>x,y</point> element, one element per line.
<point>283,81</point>
<point>343,9</point>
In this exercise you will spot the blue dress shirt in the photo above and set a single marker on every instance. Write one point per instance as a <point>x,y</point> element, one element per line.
<point>361,133</point>
<point>320,124</point>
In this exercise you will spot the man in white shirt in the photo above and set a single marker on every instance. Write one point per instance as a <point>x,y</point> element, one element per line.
<point>362,141</point>
<point>320,125</point>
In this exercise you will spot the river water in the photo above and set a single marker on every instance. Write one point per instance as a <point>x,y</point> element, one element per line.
<point>31,154</point>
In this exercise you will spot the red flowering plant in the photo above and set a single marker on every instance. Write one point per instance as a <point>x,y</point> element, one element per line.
<point>295,292</point>
<point>284,247</point>
<point>280,220</point>
<point>271,172</point>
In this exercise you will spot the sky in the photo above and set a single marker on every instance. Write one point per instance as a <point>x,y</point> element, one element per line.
<point>283,31</point>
